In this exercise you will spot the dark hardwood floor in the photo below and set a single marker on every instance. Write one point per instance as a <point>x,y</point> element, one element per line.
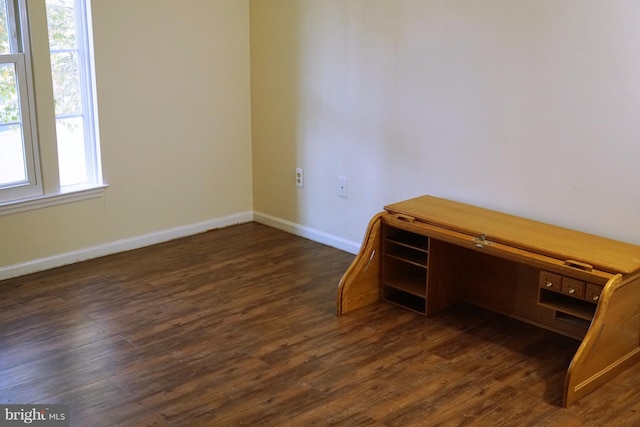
<point>238,327</point>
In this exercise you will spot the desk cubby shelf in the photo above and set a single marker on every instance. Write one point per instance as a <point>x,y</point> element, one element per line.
<point>404,269</point>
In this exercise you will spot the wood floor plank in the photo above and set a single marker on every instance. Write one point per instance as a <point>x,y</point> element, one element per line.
<point>237,326</point>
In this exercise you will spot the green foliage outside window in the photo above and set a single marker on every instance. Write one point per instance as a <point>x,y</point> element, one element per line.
<point>64,57</point>
<point>64,62</point>
<point>8,96</point>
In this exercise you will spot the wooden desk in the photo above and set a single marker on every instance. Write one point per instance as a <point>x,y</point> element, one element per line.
<point>427,254</point>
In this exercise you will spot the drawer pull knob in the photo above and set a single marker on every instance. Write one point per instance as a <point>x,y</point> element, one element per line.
<point>596,297</point>
<point>549,284</point>
<point>572,291</point>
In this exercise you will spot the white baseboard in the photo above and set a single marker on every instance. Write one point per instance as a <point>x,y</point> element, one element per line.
<point>137,242</point>
<point>122,245</point>
<point>307,232</point>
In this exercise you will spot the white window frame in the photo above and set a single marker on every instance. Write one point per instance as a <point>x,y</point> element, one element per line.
<point>43,192</point>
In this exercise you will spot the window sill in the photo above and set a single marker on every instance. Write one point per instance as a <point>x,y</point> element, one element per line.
<point>68,195</point>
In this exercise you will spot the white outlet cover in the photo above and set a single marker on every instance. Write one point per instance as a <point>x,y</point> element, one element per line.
<point>299,178</point>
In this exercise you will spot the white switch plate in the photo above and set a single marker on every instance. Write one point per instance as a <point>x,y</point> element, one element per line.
<point>343,186</point>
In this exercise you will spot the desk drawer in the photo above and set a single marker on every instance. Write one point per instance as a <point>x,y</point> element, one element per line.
<point>551,281</point>
<point>592,292</point>
<point>573,287</point>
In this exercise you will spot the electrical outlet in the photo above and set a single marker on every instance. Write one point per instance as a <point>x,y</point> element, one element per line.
<point>299,178</point>
<point>343,188</point>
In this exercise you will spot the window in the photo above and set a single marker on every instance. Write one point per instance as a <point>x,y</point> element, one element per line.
<point>19,168</point>
<point>76,150</point>
<point>71,71</point>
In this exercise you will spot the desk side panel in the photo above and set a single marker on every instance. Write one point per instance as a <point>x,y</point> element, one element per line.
<point>360,284</point>
<point>612,343</point>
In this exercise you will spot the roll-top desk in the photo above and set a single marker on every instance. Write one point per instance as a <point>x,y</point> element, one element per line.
<point>427,254</point>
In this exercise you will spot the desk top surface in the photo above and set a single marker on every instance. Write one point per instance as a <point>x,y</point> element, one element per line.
<point>561,243</point>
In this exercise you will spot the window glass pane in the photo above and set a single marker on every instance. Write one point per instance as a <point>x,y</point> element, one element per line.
<point>62,24</point>
<point>66,83</point>
<point>71,151</point>
<point>4,28</point>
<point>12,159</point>
<point>9,104</point>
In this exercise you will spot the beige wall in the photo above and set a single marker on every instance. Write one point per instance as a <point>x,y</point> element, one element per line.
<point>530,107</point>
<point>174,107</point>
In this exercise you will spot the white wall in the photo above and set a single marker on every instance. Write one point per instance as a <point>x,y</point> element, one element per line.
<point>529,107</point>
<point>175,128</point>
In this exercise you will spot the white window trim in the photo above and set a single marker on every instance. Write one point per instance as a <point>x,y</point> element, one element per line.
<point>51,193</point>
<point>73,194</point>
